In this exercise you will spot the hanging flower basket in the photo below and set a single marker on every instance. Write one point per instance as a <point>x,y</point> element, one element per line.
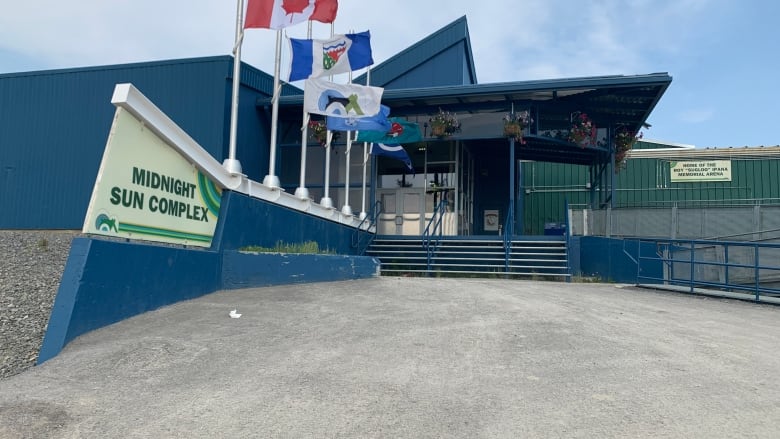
<point>444,124</point>
<point>319,132</point>
<point>513,129</point>
<point>583,131</point>
<point>515,124</point>
<point>438,130</point>
<point>623,141</point>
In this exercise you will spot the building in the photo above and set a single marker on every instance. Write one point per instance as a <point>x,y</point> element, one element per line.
<point>54,125</point>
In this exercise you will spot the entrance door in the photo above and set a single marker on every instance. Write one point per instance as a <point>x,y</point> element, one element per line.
<point>402,211</point>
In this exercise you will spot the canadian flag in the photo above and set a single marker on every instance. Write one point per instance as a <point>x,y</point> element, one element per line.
<point>278,14</point>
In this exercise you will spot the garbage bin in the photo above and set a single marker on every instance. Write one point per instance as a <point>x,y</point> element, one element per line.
<point>554,228</point>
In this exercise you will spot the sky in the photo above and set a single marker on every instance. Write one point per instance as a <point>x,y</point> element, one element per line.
<point>721,54</point>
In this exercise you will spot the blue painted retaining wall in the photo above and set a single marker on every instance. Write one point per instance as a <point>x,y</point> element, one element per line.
<point>245,221</point>
<point>246,270</point>
<point>614,259</point>
<point>106,281</point>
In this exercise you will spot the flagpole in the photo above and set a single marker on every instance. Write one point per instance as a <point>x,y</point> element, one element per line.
<point>347,209</point>
<point>326,201</point>
<point>231,164</point>
<point>363,213</point>
<point>271,180</point>
<point>301,191</point>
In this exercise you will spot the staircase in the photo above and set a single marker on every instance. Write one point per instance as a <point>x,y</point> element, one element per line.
<point>478,256</point>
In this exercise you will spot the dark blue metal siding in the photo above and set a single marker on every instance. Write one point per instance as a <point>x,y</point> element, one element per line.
<point>402,70</point>
<point>54,126</point>
<point>254,122</point>
<point>491,184</point>
<point>254,132</point>
<point>442,69</point>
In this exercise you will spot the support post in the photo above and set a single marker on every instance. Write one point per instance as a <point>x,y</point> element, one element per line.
<point>271,180</point>
<point>231,164</point>
<point>347,209</point>
<point>301,191</point>
<point>510,226</point>
<point>326,201</point>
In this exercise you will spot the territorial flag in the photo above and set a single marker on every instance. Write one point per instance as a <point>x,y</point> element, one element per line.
<point>379,122</point>
<point>401,131</point>
<point>393,151</point>
<point>339,54</point>
<point>278,14</point>
<point>342,100</point>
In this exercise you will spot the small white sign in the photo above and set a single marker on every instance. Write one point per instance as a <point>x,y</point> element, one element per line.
<point>491,220</point>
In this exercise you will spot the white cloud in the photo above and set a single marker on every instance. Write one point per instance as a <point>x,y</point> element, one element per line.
<point>536,38</point>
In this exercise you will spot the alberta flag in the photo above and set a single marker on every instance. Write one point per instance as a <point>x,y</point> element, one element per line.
<point>393,151</point>
<point>342,100</point>
<point>340,54</point>
<point>278,14</point>
<point>401,131</point>
<point>379,122</point>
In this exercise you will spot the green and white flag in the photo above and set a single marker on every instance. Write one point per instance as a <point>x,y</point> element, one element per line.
<point>342,100</point>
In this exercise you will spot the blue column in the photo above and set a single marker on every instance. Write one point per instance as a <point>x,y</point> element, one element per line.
<point>612,167</point>
<point>511,225</point>
<point>373,184</point>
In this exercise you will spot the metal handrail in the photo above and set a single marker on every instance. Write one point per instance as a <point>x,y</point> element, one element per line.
<point>665,250</point>
<point>508,236</point>
<point>428,234</point>
<point>371,218</point>
<point>567,235</point>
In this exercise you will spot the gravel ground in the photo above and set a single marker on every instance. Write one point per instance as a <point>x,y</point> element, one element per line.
<point>31,267</point>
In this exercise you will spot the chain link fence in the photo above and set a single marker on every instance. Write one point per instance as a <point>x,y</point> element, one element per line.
<point>729,223</point>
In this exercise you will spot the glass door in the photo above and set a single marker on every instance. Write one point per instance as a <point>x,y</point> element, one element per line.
<point>444,173</point>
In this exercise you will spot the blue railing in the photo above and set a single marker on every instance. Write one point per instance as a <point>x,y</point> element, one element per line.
<point>508,231</point>
<point>357,236</point>
<point>747,267</point>
<point>433,232</point>
<point>567,236</point>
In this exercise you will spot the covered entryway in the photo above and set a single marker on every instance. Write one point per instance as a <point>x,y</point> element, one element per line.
<point>441,178</point>
<point>468,185</point>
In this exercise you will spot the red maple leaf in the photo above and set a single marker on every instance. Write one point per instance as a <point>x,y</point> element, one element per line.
<point>294,6</point>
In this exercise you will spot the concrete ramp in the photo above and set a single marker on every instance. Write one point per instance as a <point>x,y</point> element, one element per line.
<point>414,357</point>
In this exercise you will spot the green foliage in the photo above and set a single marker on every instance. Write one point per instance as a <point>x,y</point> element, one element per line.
<point>308,247</point>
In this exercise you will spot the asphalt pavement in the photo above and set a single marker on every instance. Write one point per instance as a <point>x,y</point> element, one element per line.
<point>415,358</point>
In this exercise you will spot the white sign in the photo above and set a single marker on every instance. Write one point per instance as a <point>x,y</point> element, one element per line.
<point>708,170</point>
<point>491,222</point>
<point>146,190</point>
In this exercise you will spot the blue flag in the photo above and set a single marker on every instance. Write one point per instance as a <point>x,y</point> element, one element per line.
<point>393,151</point>
<point>401,131</point>
<point>340,54</point>
<point>379,122</point>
